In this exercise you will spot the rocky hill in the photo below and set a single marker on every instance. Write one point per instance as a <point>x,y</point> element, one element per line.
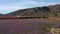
<point>45,11</point>
<point>30,11</point>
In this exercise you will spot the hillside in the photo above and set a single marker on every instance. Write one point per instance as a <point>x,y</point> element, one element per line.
<point>37,11</point>
<point>44,12</point>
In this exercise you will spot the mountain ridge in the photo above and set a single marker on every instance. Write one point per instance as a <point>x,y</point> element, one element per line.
<point>45,11</point>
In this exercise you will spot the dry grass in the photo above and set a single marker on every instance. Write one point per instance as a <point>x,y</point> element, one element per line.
<point>55,30</point>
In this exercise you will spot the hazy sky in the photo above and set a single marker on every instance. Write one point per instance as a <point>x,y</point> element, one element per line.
<point>7,6</point>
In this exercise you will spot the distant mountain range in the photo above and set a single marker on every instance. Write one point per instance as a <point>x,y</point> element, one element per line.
<point>45,11</point>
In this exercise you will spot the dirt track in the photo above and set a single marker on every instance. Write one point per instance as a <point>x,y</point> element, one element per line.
<point>22,26</point>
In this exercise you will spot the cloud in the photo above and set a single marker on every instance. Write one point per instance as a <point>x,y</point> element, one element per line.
<point>48,3</point>
<point>8,9</point>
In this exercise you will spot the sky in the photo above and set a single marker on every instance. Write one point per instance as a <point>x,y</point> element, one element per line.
<point>7,6</point>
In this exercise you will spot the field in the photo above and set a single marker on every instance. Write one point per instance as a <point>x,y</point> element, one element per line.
<point>27,26</point>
